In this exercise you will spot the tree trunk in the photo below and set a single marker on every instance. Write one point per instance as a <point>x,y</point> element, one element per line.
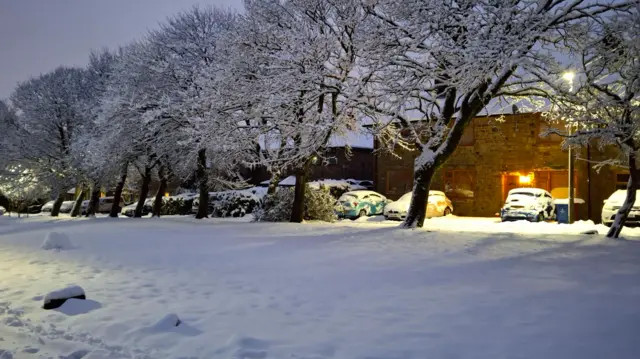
<point>115,208</point>
<point>75,212</point>
<point>55,211</point>
<point>297,210</point>
<point>420,197</point>
<point>94,201</point>
<point>629,201</point>
<point>203,184</point>
<point>273,182</point>
<point>157,203</point>
<point>144,191</point>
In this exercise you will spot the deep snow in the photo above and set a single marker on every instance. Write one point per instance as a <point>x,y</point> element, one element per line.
<point>362,289</point>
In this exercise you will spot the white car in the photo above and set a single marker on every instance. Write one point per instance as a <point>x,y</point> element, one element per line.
<point>530,204</point>
<point>67,206</point>
<point>130,210</point>
<point>438,205</point>
<point>613,204</point>
<point>47,206</point>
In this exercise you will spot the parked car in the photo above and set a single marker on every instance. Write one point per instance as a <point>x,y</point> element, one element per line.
<point>356,204</point>
<point>530,204</point>
<point>2,211</point>
<point>130,209</point>
<point>47,206</point>
<point>67,206</point>
<point>613,204</point>
<point>438,205</point>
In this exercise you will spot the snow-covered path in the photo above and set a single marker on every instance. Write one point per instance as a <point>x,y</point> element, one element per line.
<point>245,290</point>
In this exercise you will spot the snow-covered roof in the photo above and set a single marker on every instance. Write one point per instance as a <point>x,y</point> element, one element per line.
<point>353,139</point>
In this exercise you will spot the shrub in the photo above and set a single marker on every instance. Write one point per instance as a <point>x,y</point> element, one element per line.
<point>319,205</point>
<point>176,207</point>
<point>233,203</point>
<point>275,207</point>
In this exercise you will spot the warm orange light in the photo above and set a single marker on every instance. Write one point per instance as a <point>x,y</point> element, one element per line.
<point>525,179</point>
<point>166,194</point>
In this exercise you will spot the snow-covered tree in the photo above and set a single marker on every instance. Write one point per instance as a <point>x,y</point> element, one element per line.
<point>49,117</point>
<point>432,66</point>
<point>293,65</point>
<point>601,104</point>
<point>189,51</point>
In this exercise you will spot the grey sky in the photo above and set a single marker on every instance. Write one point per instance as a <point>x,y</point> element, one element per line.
<point>38,35</point>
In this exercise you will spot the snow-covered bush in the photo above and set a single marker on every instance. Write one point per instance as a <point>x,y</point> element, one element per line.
<point>275,207</point>
<point>319,205</point>
<point>56,241</point>
<point>176,207</point>
<point>233,203</point>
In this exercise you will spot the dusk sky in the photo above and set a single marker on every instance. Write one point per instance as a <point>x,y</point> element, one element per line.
<point>36,36</point>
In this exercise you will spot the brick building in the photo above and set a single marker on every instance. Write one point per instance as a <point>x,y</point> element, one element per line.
<point>499,153</point>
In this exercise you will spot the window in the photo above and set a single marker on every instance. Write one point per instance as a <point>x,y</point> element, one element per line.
<point>468,138</point>
<point>332,161</point>
<point>459,183</point>
<point>550,138</point>
<point>621,180</point>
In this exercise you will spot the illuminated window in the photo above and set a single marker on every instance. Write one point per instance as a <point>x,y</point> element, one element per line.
<point>459,183</point>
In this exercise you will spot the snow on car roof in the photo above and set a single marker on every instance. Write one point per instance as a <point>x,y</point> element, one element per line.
<point>528,190</point>
<point>362,193</point>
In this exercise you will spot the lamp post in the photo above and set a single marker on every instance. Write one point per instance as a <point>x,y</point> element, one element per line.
<point>569,76</point>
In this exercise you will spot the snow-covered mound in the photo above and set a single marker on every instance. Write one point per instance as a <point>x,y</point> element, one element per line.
<point>56,241</point>
<point>56,298</point>
<point>169,321</point>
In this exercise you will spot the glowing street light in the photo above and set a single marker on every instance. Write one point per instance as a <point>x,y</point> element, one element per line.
<point>569,76</point>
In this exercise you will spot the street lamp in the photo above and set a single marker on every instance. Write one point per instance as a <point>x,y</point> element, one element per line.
<point>569,76</point>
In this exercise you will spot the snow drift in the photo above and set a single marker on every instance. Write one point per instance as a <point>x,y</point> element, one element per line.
<point>56,241</point>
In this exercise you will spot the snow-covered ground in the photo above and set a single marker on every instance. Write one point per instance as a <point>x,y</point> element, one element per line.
<point>365,289</point>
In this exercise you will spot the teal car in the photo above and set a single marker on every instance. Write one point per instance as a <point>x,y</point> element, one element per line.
<point>356,204</point>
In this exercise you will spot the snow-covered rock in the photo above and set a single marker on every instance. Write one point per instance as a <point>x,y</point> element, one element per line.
<point>56,241</point>
<point>56,298</point>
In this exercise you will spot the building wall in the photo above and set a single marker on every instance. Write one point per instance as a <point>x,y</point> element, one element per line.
<point>496,152</point>
<point>337,164</point>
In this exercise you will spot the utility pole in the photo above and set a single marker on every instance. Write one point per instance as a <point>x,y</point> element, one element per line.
<point>569,77</point>
<point>571,215</point>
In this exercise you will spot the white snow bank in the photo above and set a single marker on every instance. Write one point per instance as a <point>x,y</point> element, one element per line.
<point>169,321</point>
<point>375,219</point>
<point>68,292</point>
<point>56,241</point>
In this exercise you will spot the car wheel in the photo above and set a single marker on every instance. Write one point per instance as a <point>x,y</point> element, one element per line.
<point>362,213</point>
<point>538,218</point>
<point>447,211</point>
